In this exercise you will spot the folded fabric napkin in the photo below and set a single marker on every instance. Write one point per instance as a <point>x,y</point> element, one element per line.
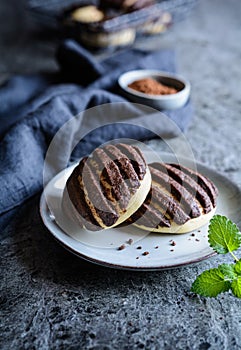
<point>34,108</point>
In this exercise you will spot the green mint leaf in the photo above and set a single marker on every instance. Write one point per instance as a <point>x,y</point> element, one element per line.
<point>223,234</point>
<point>228,271</point>
<point>210,283</point>
<point>236,287</point>
<point>237,267</point>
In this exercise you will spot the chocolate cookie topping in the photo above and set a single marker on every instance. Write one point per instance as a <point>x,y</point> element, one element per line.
<point>177,194</point>
<point>101,186</point>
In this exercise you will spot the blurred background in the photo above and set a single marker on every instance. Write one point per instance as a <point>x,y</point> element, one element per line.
<point>31,30</point>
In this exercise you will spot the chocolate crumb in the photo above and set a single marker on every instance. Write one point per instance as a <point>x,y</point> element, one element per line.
<point>130,241</point>
<point>192,234</point>
<point>156,247</point>
<point>173,243</point>
<point>171,250</point>
<point>121,247</point>
<point>137,257</point>
<point>189,239</point>
<point>197,239</point>
<point>199,231</point>
<point>139,247</point>
<point>145,253</point>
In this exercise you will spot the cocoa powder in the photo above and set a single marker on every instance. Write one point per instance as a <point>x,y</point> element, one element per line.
<point>152,87</point>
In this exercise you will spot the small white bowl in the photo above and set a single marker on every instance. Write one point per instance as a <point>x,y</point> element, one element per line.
<point>172,101</point>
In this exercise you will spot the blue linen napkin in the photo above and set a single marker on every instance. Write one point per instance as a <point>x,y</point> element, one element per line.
<point>33,109</point>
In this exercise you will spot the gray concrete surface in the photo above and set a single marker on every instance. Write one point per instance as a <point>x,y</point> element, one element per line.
<point>53,300</point>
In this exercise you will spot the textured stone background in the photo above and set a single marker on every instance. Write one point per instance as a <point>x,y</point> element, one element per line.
<point>50,299</point>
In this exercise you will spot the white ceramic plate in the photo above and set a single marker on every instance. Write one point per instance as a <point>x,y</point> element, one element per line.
<point>102,247</point>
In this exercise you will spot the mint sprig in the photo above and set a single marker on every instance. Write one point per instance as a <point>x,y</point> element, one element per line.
<point>210,283</point>
<point>224,237</point>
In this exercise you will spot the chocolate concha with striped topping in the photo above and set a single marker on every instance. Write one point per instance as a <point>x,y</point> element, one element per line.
<point>107,187</point>
<point>180,200</point>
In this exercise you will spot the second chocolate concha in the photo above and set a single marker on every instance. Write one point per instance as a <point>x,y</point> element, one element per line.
<point>180,200</point>
<point>107,187</point>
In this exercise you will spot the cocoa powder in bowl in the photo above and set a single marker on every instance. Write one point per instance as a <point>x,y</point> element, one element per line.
<point>152,87</point>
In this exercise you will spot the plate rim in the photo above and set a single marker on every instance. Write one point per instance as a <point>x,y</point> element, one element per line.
<point>116,266</point>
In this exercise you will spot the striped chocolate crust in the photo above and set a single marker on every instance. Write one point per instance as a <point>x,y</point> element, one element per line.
<point>110,184</point>
<point>179,200</point>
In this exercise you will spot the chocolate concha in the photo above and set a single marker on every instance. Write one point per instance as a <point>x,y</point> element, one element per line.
<point>107,187</point>
<point>180,200</point>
